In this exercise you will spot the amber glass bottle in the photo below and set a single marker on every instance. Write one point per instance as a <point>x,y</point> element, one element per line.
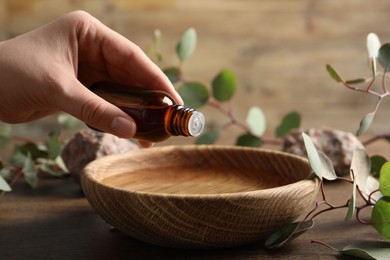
<point>155,113</point>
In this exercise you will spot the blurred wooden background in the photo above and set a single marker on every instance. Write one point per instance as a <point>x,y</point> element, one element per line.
<point>277,48</point>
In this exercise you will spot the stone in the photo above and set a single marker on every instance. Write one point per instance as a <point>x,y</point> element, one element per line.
<point>338,145</point>
<point>88,145</point>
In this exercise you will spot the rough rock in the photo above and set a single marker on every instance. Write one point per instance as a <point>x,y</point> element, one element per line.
<point>88,145</point>
<point>336,144</point>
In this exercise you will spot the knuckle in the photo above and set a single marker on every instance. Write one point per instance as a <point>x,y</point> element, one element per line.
<point>93,112</point>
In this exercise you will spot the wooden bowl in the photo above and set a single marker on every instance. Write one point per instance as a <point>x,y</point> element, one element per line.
<point>199,196</point>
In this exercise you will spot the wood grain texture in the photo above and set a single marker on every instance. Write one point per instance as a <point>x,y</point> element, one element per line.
<point>199,196</point>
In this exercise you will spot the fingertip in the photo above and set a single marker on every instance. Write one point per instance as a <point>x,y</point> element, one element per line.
<point>123,127</point>
<point>145,144</point>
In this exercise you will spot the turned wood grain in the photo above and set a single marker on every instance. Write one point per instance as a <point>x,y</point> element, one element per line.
<point>199,196</point>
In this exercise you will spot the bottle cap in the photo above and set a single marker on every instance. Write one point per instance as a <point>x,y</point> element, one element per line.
<point>196,123</point>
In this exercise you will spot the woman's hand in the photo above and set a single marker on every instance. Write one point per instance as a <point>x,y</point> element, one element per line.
<point>49,69</point>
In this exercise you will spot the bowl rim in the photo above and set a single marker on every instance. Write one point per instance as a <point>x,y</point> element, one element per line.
<point>311,178</point>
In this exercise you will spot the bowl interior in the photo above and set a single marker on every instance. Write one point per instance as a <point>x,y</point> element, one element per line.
<point>201,170</point>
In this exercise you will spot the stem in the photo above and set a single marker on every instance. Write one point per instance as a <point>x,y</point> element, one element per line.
<point>19,174</point>
<point>358,209</point>
<point>376,138</point>
<point>235,121</point>
<point>331,207</point>
<point>229,113</point>
<point>324,244</point>
<point>384,83</point>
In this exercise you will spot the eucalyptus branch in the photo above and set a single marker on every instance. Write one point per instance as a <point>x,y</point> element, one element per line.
<point>229,113</point>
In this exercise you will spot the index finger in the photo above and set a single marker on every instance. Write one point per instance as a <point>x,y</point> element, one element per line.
<point>124,61</point>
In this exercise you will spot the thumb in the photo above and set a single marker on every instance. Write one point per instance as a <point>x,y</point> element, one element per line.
<point>83,104</point>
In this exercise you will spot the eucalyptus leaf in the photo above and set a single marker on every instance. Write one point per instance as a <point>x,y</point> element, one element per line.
<point>379,251</point>
<point>373,67</point>
<point>333,74</point>
<point>352,203</point>
<point>4,185</point>
<point>360,166</point>
<point>248,140</point>
<point>373,45</point>
<point>54,145</point>
<point>327,168</point>
<point>377,162</point>
<point>384,181</point>
<point>372,188</point>
<point>288,233</point>
<point>5,134</point>
<point>380,217</point>
<point>384,56</point>
<point>208,138</point>
<point>365,123</point>
<point>256,121</point>
<point>173,74</point>
<point>313,156</point>
<point>50,170</point>
<point>61,164</point>
<point>29,172</point>
<point>187,44</point>
<point>289,122</point>
<point>33,149</point>
<point>6,174</point>
<point>355,81</point>
<point>194,94</point>
<point>224,85</point>
<point>67,121</point>
<point>17,157</point>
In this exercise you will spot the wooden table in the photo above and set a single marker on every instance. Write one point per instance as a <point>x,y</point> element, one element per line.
<point>55,221</point>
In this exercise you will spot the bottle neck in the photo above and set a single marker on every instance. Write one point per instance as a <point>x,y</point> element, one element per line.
<point>185,121</point>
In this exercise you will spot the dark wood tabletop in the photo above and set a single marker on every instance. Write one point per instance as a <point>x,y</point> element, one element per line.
<point>55,221</point>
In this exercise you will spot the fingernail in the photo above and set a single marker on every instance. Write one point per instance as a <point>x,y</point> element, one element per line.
<point>123,127</point>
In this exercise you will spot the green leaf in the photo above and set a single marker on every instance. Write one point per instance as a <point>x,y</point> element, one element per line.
<point>288,233</point>
<point>33,149</point>
<point>173,74</point>
<point>372,188</point>
<point>377,162</point>
<point>248,140</point>
<point>4,185</point>
<point>289,122</point>
<point>61,164</point>
<point>384,181</point>
<point>17,157</point>
<point>29,172</point>
<point>224,85</point>
<point>352,203</point>
<point>50,170</point>
<point>67,121</point>
<point>360,166</point>
<point>256,121</point>
<point>365,123</point>
<point>379,250</point>
<point>384,56</point>
<point>5,134</point>
<point>380,217</point>
<point>194,94</point>
<point>313,156</point>
<point>355,81</point>
<point>333,74</point>
<point>327,168</point>
<point>373,45</point>
<point>187,44</point>
<point>54,145</point>
<point>208,138</point>
<point>6,174</point>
